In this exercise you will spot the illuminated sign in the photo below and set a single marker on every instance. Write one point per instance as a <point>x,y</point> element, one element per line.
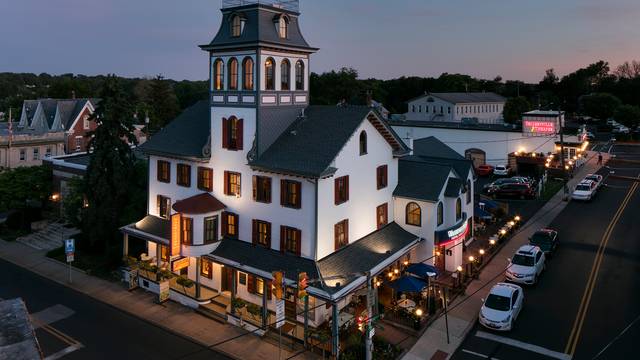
<point>176,233</point>
<point>539,127</point>
<point>180,264</point>
<point>453,234</point>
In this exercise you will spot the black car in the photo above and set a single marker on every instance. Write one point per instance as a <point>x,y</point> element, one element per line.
<point>545,239</point>
<point>491,187</point>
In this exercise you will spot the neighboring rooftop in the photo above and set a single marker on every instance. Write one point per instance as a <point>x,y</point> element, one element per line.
<point>421,180</point>
<point>311,143</point>
<point>433,147</point>
<point>399,120</point>
<point>17,337</point>
<point>186,136</point>
<point>543,113</point>
<point>464,97</point>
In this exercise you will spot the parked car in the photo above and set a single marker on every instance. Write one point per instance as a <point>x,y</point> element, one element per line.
<point>589,136</point>
<point>526,265</point>
<point>546,240</point>
<point>501,170</point>
<point>620,129</point>
<point>517,190</point>
<point>491,187</point>
<point>595,178</point>
<point>502,306</point>
<point>484,170</point>
<point>585,190</point>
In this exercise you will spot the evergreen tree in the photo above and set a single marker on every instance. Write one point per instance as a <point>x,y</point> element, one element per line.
<point>111,168</point>
<point>163,103</point>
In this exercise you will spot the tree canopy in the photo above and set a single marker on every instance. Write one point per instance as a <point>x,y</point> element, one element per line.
<point>599,105</point>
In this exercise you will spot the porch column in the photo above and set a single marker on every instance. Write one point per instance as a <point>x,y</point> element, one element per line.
<point>125,245</point>
<point>264,304</point>
<point>306,321</point>
<point>158,255</point>
<point>335,347</point>
<point>198,260</point>
<point>233,290</point>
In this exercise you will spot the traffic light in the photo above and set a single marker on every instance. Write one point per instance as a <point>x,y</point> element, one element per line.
<point>278,282</point>
<point>302,285</point>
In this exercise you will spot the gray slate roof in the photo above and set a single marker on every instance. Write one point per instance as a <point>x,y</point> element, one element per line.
<point>259,29</point>
<point>454,187</point>
<point>421,180</point>
<point>465,97</point>
<point>68,109</point>
<point>432,147</point>
<point>310,144</point>
<point>155,226</point>
<point>364,254</point>
<point>186,136</point>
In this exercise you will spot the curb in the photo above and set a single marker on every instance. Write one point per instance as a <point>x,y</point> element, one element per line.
<point>158,325</point>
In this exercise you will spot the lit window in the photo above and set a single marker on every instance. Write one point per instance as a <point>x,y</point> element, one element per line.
<point>269,74</point>
<point>262,233</point>
<point>205,179</point>
<point>187,231</point>
<point>164,206</point>
<point>184,175</point>
<point>290,194</point>
<point>413,214</point>
<point>164,171</point>
<point>291,240</point>
<point>236,26</point>
<point>233,74</point>
<point>218,75</point>
<point>285,75</point>
<point>283,25</point>
<point>341,234</point>
<point>232,183</point>
<point>85,121</point>
<point>206,268</point>
<point>247,74</point>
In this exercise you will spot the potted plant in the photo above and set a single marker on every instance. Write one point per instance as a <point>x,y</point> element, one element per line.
<point>237,303</point>
<point>254,310</point>
<point>185,282</point>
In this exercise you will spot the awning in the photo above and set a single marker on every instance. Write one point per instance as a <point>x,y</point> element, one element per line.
<point>482,214</point>
<point>408,284</point>
<point>151,228</point>
<point>488,204</point>
<point>199,204</point>
<point>422,270</point>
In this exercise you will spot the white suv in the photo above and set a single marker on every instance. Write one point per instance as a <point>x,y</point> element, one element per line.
<point>526,266</point>
<point>501,307</point>
<point>585,190</point>
<point>501,170</point>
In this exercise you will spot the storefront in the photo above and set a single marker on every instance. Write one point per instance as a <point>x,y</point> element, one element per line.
<point>448,245</point>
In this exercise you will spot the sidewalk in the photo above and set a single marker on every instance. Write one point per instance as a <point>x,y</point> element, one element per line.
<point>171,316</point>
<point>464,310</point>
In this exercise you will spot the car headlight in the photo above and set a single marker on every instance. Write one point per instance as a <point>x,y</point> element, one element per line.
<point>507,319</point>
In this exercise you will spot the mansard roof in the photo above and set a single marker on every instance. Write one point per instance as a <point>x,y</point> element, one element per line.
<point>67,109</point>
<point>186,136</point>
<point>310,145</point>
<point>259,29</point>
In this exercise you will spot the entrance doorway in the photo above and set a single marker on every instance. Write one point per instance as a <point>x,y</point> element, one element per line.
<point>439,260</point>
<point>226,279</point>
<point>290,304</point>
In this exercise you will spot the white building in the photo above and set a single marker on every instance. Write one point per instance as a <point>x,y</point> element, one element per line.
<point>484,108</point>
<point>255,181</point>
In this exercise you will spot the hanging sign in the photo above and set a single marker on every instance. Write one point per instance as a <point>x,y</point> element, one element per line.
<point>180,264</point>
<point>176,233</point>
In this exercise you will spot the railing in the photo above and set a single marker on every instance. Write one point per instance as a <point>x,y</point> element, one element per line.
<point>290,5</point>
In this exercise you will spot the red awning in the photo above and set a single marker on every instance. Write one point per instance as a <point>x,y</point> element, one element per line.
<point>199,204</point>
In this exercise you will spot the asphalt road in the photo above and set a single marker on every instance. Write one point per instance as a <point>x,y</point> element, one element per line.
<point>103,331</point>
<point>547,327</point>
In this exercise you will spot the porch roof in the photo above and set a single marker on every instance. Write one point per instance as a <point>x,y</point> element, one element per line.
<point>150,228</point>
<point>199,204</point>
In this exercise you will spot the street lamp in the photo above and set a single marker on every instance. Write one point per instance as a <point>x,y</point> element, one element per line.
<point>492,242</point>
<point>481,252</point>
<point>419,312</point>
<point>471,258</point>
<point>517,218</point>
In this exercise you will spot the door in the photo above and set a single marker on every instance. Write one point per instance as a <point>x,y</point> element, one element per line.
<point>438,261</point>
<point>226,279</point>
<point>290,304</point>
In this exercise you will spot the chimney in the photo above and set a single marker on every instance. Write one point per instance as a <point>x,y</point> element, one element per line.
<point>409,141</point>
<point>73,94</point>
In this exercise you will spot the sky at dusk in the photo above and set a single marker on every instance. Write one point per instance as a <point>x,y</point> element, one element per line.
<point>380,38</point>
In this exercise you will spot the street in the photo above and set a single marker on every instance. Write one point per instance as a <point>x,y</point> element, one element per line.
<point>570,313</point>
<point>79,327</point>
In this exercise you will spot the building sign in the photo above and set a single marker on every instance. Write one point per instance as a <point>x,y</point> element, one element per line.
<point>164,293</point>
<point>454,234</point>
<point>176,233</point>
<point>133,279</point>
<point>539,127</point>
<point>279,313</point>
<point>180,264</point>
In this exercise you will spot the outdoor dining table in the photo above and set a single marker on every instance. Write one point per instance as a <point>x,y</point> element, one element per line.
<point>407,304</point>
<point>344,319</point>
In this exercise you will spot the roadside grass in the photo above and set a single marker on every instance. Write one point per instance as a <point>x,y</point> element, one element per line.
<point>8,234</point>
<point>551,188</point>
<point>93,264</point>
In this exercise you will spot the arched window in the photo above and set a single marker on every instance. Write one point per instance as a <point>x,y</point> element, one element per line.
<point>413,214</point>
<point>247,74</point>
<point>458,209</point>
<point>283,27</point>
<point>440,214</point>
<point>233,74</point>
<point>363,143</point>
<point>468,191</point>
<point>218,75</point>
<point>285,75</point>
<point>299,75</point>
<point>236,26</point>
<point>269,75</point>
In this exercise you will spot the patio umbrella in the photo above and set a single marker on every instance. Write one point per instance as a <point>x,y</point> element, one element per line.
<point>482,214</point>
<point>488,204</point>
<point>408,284</point>
<point>422,270</point>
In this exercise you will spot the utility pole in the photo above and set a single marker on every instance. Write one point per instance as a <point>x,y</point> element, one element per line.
<point>368,341</point>
<point>565,189</point>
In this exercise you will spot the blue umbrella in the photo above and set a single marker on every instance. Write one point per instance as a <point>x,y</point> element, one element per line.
<point>482,214</point>
<point>422,270</point>
<point>408,284</point>
<point>488,204</point>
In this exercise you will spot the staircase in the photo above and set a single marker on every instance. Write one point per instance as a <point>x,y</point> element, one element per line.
<point>49,238</point>
<point>216,309</point>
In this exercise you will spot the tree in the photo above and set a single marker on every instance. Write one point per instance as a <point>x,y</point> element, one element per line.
<point>599,105</point>
<point>24,185</point>
<point>628,115</point>
<point>513,109</point>
<point>111,167</point>
<point>628,70</point>
<point>158,94</point>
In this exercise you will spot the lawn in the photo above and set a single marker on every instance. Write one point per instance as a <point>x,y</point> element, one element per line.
<point>551,188</point>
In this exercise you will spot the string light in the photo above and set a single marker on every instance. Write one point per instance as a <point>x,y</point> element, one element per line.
<point>492,242</point>
<point>471,258</point>
<point>459,268</point>
<point>481,251</point>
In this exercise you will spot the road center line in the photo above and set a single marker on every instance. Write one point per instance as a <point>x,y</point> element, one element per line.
<point>523,345</point>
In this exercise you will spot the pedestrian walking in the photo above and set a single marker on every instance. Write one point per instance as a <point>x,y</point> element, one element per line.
<point>599,158</point>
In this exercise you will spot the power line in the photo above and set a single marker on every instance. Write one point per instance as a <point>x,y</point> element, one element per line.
<point>616,338</point>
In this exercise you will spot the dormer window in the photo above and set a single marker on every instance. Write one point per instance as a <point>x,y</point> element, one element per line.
<point>282,26</point>
<point>218,75</point>
<point>237,23</point>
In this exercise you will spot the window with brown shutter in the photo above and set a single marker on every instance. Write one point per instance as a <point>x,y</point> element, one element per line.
<point>232,183</point>
<point>290,240</point>
<point>290,192</point>
<point>251,284</point>
<point>341,234</point>
<point>184,175</point>
<point>261,233</point>
<point>262,189</point>
<point>210,229</point>
<point>381,215</point>
<point>206,268</point>
<point>205,179</point>
<point>381,177</point>
<point>164,171</point>
<point>163,206</point>
<point>230,225</point>
<point>187,231</point>
<point>232,133</point>
<point>341,190</point>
